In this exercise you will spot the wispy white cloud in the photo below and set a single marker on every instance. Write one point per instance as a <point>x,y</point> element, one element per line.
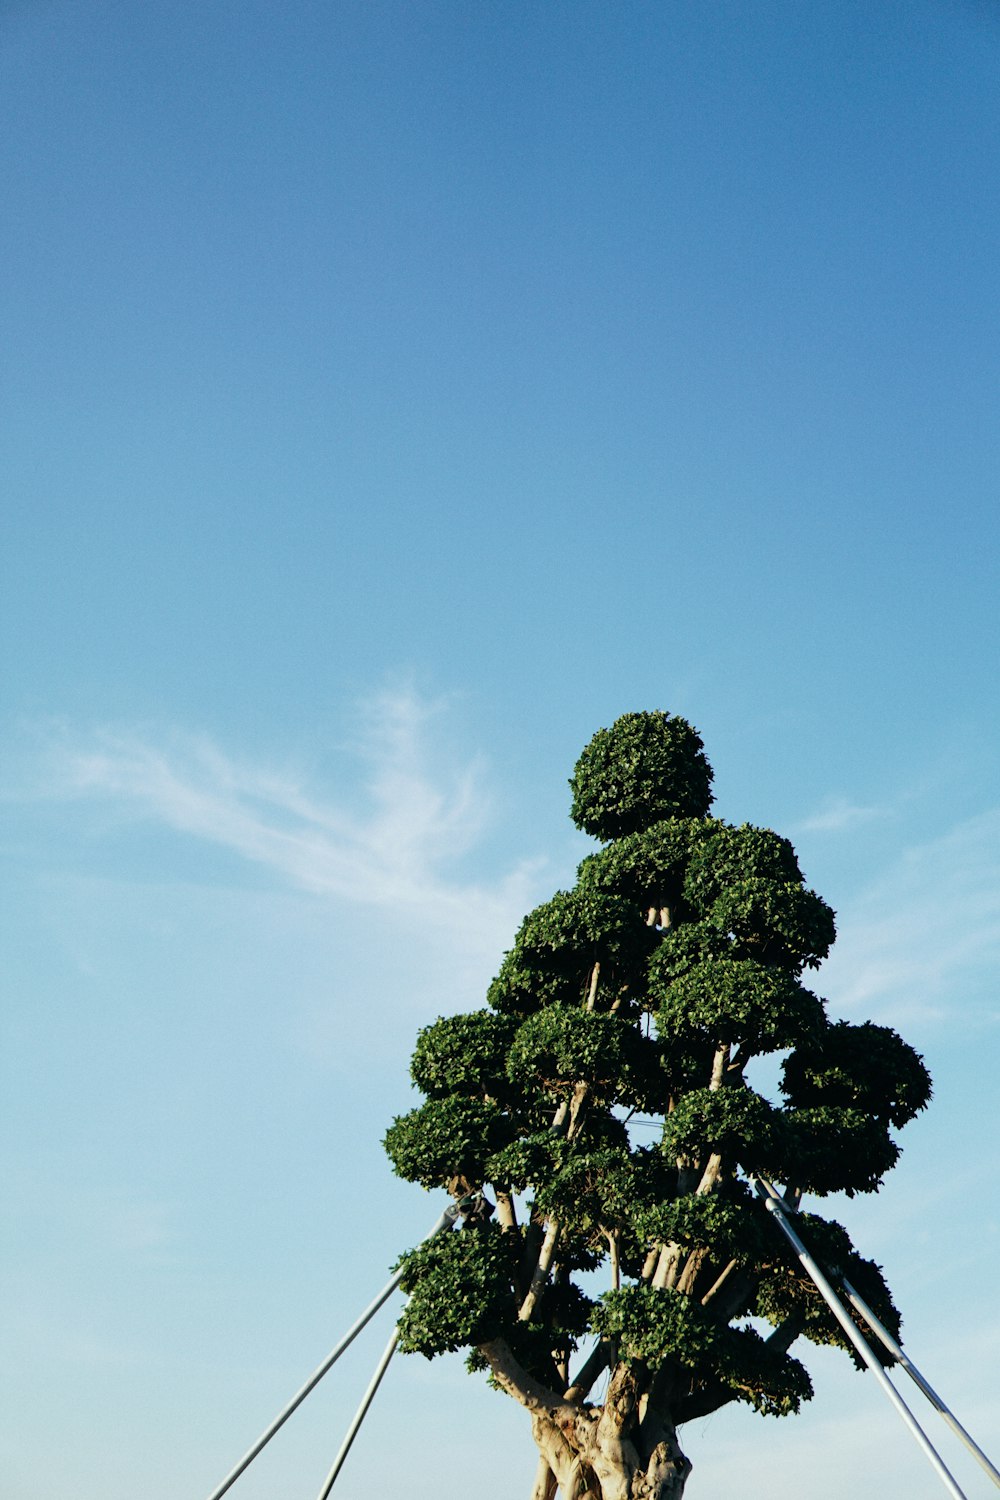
<point>924,938</point>
<point>917,941</point>
<point>839,815</point>
<point>401,854</point>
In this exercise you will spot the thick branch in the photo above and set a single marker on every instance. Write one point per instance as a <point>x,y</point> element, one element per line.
<point>595,976</point>
<point>711,1174</point>
<point>506,1214</point>
<point>786,1333</point>
<point>581,1093</point>
<point>650,1263</point>
<point>714,1394</point>
<point>544,1487</point>
<point>532,1237</point>
<point>720,1063</point>
<point>730,1297</point>
<point>689,1275</point>
<point>596,1362</point>
<point>616,1275</point>
<point>719,1283</point>
<point>511,1375</point>
<point>541,1271</point>
<point>667,1266</point>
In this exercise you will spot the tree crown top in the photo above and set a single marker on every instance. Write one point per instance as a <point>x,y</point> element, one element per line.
<point>646,767</point>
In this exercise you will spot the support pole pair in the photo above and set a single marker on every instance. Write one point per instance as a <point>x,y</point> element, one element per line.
<point>446,1221</point>
<point>780,1212</point>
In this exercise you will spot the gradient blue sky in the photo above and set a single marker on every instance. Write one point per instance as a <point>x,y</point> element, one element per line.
<point>392,395</point>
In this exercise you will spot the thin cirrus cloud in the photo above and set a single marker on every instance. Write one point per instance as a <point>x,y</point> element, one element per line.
<point>923,939</point>
<point>918,941</point>
<point>399,854</point>
<point>840,815</point>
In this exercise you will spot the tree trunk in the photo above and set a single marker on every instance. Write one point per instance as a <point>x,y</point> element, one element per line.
<point>610,1471</point>
<point>624,1449</point>
<point>607,1454</point>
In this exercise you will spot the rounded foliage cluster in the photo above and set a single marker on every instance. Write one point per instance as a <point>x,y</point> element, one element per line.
<point>460,1292</point>
<point>648,867</point>
<point>739,1001</point>
<point>644,1321</point>
<point>446,1139</point>
<point>864,1067</point>
<point>785,1291</point>
<point>732,1224</point>
<point>737,1123</point>
<point>646,767</point>
<point>465,1054</point>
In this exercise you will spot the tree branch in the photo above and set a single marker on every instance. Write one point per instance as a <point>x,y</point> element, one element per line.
<point>506,1215</point>
<point>594,980</point>
<point>544,1487</point>
<point>541,1271</point>
<point>719,1283</point>
<point>667,1265</point>
<point>597,1361</point>
<point>786,1333</point>
<point>616,1275</point>
<point>511,1375</point>
<point>720,1063</point>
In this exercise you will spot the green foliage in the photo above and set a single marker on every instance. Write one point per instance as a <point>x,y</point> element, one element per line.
<point>517,990</point>
<point>645,768</point>
<point>589,1187</point>
<point>463,1055</point>
<point>732,1224</point>
<point>746,882</point>
<point>446,1139</point>
<point>654,1325</point>
<point>781,923</point>
<point>699,931</point>
<point>559,943</point>
<point>868,1067</point>
<point>646,867</point>
<point>738,1000</point>
<point>560,1048</point>
<point>784,1290</point>
<point>460,1290</point>
<point>682,948</point>
<point>735,1122</point>
<point>768,1379</point>
<point>829,1150</point>
<point>650,1324</point>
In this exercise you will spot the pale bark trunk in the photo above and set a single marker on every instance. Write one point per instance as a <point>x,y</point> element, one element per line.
<point>545,1481</point>
<point>624,1449</point>
<point>596,1453</point>
<point>609,1466</point>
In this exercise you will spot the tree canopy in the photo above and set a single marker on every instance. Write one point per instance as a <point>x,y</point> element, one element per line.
<point>599,1112</point>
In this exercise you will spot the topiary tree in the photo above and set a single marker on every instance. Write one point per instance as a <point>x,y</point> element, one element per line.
<point>642,995</point>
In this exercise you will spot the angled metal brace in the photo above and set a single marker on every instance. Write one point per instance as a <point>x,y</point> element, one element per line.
<point>446,1221</point>
<point>895,1349</point>
<point>360,1414</point>
<point>779,1211</point>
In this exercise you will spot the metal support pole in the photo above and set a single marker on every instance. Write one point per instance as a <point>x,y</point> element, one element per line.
<point>360,1414</point>
<point>895,1348</point>
<point>775,1207</point>
<point>446,1220</point>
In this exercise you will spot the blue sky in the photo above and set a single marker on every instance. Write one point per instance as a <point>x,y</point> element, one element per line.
<point>392,395</point>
